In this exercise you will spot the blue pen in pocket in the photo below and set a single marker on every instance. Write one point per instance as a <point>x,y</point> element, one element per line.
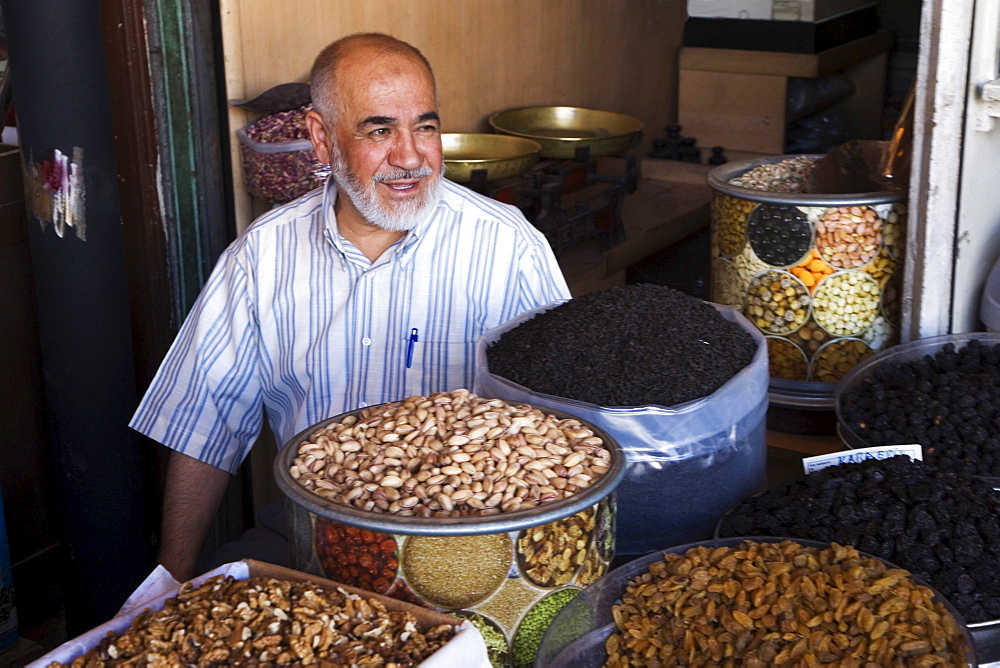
<point>409,347</point>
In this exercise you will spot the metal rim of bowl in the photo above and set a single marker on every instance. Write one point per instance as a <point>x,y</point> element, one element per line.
<point>555,147</point>
<point>448,526</point>
<point>641,564</point>
<point>801,394</point>
<point>718,179</point>
<point>497,167</point>
<point>523,141</point>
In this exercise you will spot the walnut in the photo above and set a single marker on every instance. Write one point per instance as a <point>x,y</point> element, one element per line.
<point>264,620</point>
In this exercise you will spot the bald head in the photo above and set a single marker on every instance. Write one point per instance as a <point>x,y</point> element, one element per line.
<point>324,80</point>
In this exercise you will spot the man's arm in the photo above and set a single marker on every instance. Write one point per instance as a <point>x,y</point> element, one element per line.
<point>192,496</point>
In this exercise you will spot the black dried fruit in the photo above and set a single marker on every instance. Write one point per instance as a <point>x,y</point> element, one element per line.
<point>948,402</point>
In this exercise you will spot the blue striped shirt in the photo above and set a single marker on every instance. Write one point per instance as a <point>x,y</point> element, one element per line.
<point>295,321</point>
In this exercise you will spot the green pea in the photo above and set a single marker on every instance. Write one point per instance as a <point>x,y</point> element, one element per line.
<point>533,625</point>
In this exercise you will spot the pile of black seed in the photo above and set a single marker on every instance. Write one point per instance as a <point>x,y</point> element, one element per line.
<point>948,402</point>
<point>780,235</point>
<point>630,346</point>
<point>942,526</point>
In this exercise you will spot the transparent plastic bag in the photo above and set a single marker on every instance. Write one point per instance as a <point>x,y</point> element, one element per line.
<point>686,464</point>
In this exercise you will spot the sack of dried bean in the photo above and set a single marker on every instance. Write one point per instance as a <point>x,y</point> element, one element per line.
<point>278,159</point>
<point>691,455</point>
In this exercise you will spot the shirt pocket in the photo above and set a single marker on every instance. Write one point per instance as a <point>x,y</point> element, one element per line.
<point>438,363</point>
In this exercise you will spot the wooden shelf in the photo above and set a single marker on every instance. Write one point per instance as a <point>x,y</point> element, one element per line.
<point>807,65</point>
<point>807,445</point>
<point>737,99</point>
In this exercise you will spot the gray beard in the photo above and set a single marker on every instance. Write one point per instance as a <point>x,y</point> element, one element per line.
<point>399,217</point>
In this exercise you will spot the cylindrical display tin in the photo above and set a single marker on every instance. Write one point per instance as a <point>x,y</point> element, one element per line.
<point>817,274</point>
<point>510,573</point>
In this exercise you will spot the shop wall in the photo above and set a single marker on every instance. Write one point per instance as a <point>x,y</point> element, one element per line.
<point>488,55</point>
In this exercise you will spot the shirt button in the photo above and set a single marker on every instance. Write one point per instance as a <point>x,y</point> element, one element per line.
<point>363,405</point>
<point>366,341</point>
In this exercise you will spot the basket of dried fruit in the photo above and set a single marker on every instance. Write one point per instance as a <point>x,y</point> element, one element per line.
<point>757,602</point>
<point>459,503</point>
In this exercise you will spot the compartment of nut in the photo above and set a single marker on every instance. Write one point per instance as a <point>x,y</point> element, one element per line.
<point>777,302</point>
<point>848,237</point>
<point>455,502</point>
<point>846,303</point>
<point>551,554</point>
<point>835,358</point>
<point>729,216</point>
<point>783,362</point>
<point>850,267</point>
<point>358,557</point>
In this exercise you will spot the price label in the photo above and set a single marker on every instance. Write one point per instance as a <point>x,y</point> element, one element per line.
<point>812,464</point>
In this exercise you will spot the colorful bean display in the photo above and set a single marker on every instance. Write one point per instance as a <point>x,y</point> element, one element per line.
<point>458,503</point>
<point>513,582</point>
<point>807,276</point>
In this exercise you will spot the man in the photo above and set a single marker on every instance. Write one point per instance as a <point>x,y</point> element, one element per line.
<point>371,289</point>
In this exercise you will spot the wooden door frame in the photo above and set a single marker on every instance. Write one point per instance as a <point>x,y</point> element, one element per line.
<point>175,189</point>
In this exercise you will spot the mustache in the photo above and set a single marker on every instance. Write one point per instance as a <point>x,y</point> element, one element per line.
<point>402,174</point>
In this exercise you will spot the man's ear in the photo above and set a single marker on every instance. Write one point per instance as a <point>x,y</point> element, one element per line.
<point>319,137</point>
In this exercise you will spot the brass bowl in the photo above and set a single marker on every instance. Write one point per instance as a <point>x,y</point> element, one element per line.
<point>560,130</point>
<point>500,155</point>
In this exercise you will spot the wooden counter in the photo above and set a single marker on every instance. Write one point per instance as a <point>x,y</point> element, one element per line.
<point>785,453</point>
<point>659,214</point>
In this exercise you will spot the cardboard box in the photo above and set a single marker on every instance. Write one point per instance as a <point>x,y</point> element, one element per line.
<point>772,10</point>
<point>467,648</point>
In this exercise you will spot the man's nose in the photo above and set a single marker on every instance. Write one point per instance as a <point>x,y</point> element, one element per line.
<point>405,152</point>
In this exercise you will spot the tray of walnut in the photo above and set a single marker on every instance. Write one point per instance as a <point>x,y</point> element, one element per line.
<point>253,612</point>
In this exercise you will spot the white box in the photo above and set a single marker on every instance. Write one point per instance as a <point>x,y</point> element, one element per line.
<point>772,10</point>
<point>730,9</point>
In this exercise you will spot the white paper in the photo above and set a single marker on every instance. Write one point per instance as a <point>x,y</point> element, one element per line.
<point>813,464</point>
<point>467,648</point>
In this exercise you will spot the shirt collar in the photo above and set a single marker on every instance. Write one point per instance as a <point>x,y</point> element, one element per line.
<point>403,247</point>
